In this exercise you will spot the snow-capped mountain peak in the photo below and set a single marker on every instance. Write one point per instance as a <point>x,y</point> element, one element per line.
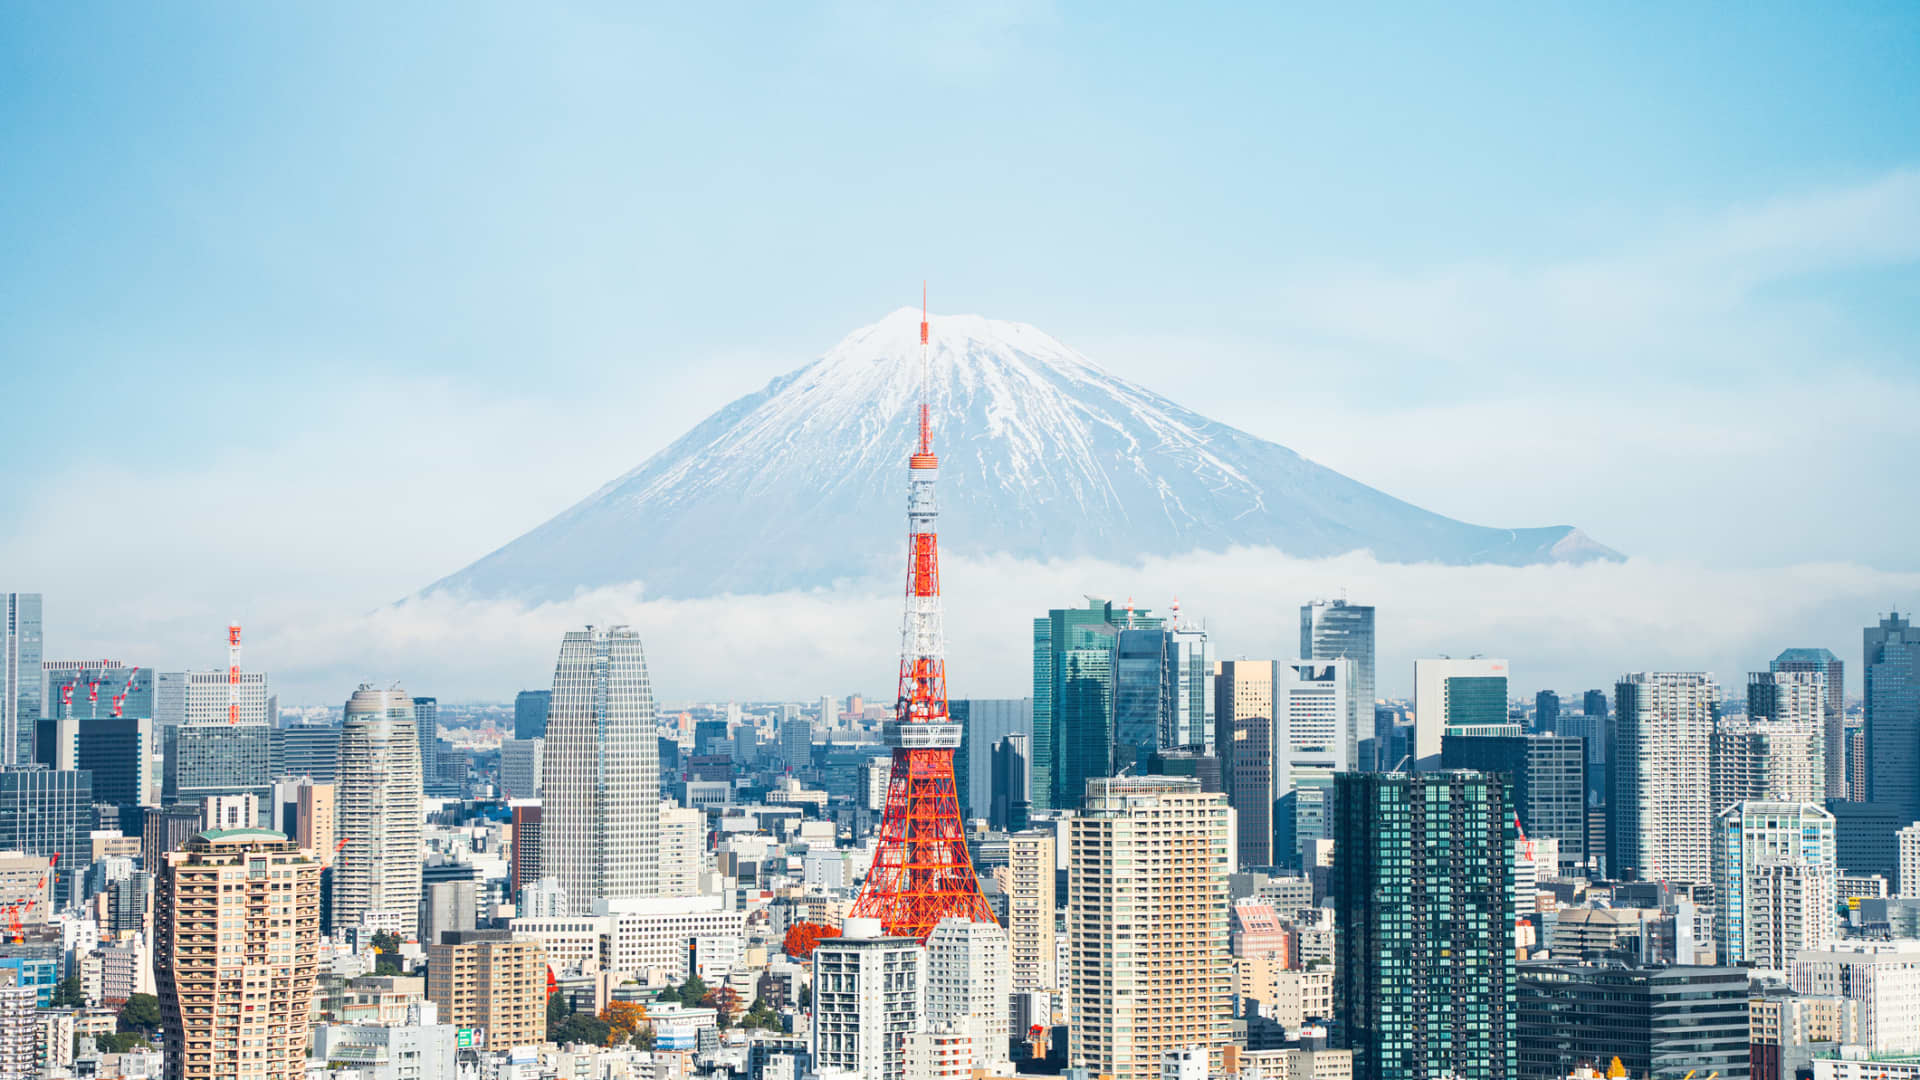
<point>1044,454</point>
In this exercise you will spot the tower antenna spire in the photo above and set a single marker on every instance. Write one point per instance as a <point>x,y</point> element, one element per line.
<point>922,872</point>
<point>926,376</point>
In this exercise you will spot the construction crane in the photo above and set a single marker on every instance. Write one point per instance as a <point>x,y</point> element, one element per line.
<point>233,673</point>
<point>120,699</point>
<point>17,932</point>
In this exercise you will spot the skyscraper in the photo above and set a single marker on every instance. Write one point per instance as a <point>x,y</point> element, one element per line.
<point>1243,717</point>
<point>1012,768</point>
<point>1424,920</point>
<point>1313,738</point>
<point>1549,782</point>
<point>20,657</point>
<point>1546,712</point>
<point>1774,876</point>
<point>1337,630</point>
<point>46,811</point>
<point>1892,697</point>
<point>1659,821</point>
<point>600,833</point>
<point>1661,1022</point>
<point>983,722</point>
<point>530,714</point>
<point>109,713</point>
<point>379,814</point>
<point>1073,722</point>
<point>1833,729</point>
<point>1799,699</point>
<point>235,954</point>
<point>426,727</point>
<point>1148,925</point>
<point>1457,697</point>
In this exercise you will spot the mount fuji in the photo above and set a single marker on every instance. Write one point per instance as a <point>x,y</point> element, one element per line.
<point>1043,455</point>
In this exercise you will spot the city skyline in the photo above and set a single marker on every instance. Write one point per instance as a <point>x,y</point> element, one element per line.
<point>1549,347</point>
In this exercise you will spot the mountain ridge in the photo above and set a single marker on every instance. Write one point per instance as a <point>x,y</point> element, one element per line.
<point>1044,455</point>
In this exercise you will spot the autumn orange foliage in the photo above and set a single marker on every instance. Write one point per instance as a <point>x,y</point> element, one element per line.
<point>802,937</point>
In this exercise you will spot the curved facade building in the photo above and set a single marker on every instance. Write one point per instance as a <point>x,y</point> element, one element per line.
<point>379,814</point>
<point>600,813</point>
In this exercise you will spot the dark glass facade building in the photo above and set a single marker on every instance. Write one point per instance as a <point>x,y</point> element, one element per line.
<point>530,714</point>
<point>1892,699</point>
<point>46,811</point>
<point>1549,777</point>
<point>1423,892</point>
<point>1661,1022</point>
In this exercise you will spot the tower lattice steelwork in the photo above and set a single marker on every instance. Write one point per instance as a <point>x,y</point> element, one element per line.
<point>922,872</point>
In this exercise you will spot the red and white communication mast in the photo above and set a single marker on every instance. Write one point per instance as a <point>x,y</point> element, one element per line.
<point>921,870</point>
<point>233,673</point>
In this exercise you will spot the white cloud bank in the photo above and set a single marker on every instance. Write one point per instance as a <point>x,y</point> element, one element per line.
<point>1564,627</point>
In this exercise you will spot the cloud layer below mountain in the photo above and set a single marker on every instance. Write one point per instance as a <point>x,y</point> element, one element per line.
<point>1564,627</point>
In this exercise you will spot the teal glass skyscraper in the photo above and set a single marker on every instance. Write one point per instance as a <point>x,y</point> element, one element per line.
<point>1074,650</point>
<point>1424,915</point>
<point>20,656</point>
<point>1337,630</point>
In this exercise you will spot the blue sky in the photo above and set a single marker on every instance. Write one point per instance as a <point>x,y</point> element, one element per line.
<point>272,266</point>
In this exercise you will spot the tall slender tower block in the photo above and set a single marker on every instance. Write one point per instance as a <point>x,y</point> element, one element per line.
<point>921,872</point>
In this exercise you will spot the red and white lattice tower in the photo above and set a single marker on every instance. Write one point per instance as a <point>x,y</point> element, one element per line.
<point>233,673</point>
<point>921,871</point>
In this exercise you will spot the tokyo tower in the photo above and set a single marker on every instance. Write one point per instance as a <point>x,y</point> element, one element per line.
<point>921,872</point>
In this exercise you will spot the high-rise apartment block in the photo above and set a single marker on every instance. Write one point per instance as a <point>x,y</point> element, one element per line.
<point>485,979</point>
<point>683,849</point>
<point>1833,724</point>
<point>969,983</point>
<point>1892,699</point>
<point>1797,701</point>
<point>1030,909</point>
<point>1908,841</point>
<point>20,659</point>
<point>1457,697</point>
<point>1771,760</point>
<point>523,866</point>
<point>1774,876</point>
<point>1424,885</point>
<point>1337,630</point>
<point>1658,777</point>
<point>379,814</point>
<point>600,833</point>
<point>235,954</point>
<point>867,999</point>
<point>1147,924</point>
<point>1243,712</point>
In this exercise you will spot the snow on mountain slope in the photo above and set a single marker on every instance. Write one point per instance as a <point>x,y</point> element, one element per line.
<point>1043,455</point>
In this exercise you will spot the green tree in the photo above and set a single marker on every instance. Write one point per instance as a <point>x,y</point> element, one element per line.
<point>557,1009</point>
<point>119,1042</point>
<point>643,1038</point>
<point>761,1015</point>
<point>69,994</point>
<point>386,967</point>
<point>141,1013</point>
<point>387,942</point>
<point>582,1028</point>
<point>806,997</point>
<point>693,992</point>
